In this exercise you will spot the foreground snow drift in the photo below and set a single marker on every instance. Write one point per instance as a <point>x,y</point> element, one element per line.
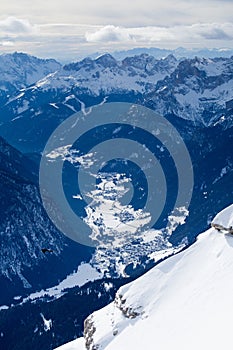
<point>78,344</point>
<point>184,302</point>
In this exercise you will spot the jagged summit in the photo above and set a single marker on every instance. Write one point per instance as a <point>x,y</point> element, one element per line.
<point>76,66</point>
<point>22,56</point>
<point>184,302</point>
<point>19,70</point>
<point>106,60</point>
<point>23,69</point>
<point>139,61</point>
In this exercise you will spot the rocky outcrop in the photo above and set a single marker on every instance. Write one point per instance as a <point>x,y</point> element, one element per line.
<point>89,330</point>
<point>119,308</point>
<point>128,311</point>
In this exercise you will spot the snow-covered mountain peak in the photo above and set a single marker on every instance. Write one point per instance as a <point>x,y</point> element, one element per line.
<point>106,60</point>
<point>198,89</point>
<point>225,217</point>
<point>103,61</point>
<point>105,75</point>
<point>76,66</point>
<point>22,69</point>
<point>139,61</point>
<point>184,302</point>
<point>19,70</point>
<point>169,60</point>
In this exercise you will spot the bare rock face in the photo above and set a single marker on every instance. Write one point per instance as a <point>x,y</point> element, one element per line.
<point>128,311</point>
<point>118,310</point>
<point>89,330</point>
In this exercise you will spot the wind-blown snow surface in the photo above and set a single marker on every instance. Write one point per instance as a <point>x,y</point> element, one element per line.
<point>77,344</point>
<point>184,302</point>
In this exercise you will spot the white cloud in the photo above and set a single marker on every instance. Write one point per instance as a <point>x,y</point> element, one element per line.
<point>6,43</point>
<point>150,35</point>
<point>108,33</point>
<point>216,32</point>
<point>72,41</point>
<point>69,30</point>
<point>16,26</point>
<point>121,13</point>
<point>206,32</point>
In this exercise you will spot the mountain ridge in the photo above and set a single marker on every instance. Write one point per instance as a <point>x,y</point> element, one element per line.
<point>197,89</point>
<point>19,70</point>
<point>25,229</point>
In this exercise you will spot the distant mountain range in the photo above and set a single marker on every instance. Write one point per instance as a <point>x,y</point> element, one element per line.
<point>199,90</point>
<point>179,53</point>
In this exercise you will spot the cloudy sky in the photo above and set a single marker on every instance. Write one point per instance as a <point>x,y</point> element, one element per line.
<point>69,29</point>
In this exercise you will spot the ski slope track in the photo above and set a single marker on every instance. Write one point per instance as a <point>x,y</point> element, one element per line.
<point>185,302</point>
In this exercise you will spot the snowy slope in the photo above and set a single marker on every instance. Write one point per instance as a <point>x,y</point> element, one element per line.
<point>77,344</point>
<point>22,70</point>
<point>184,302</point>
